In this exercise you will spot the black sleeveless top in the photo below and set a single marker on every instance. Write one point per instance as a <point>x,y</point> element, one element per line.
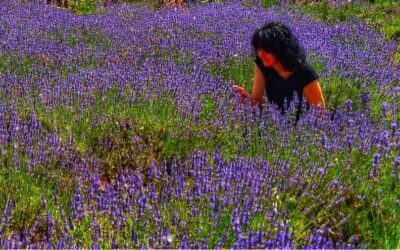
<point>278,89</point>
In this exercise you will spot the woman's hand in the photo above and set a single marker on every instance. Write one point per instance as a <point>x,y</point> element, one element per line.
<point>243,93</point>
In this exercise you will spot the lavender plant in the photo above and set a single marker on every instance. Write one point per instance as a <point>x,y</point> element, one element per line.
<point>121,130</point>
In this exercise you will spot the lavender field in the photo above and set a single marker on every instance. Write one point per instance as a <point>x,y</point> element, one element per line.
<point>120,129</point>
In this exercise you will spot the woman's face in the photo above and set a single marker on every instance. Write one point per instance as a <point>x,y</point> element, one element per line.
<point>267,58</point>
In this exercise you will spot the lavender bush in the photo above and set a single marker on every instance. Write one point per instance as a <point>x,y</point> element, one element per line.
<point>121,130</point>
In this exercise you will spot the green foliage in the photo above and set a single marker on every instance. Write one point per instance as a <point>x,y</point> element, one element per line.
<point>270,3</point>
<point>26,188</point>
<point>16,64</point>
<point>134,134</point>
<point>84,6</point>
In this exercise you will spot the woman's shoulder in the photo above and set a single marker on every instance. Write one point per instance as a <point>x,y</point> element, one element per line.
<point>304,75</point>
<point>307,72</point>
<point>306,66</point>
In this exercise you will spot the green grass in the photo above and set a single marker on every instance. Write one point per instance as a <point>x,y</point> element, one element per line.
<point>26,188</point>
<point>156,127</point>
<point>82,7</point>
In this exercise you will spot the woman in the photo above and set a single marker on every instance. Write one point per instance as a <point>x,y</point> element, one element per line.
<point>281,70</point>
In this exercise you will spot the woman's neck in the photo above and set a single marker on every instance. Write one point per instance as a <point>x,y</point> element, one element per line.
<point>285,74</point>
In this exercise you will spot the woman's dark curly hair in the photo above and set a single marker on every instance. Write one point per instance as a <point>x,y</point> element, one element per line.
<point>278,39</point>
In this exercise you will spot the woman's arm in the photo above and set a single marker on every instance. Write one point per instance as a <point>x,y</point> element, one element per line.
<point>313,95</point>
<point>258,90</point>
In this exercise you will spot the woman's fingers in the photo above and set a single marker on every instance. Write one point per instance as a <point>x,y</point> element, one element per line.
<point>241,90</point>
<point>243,93</point>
